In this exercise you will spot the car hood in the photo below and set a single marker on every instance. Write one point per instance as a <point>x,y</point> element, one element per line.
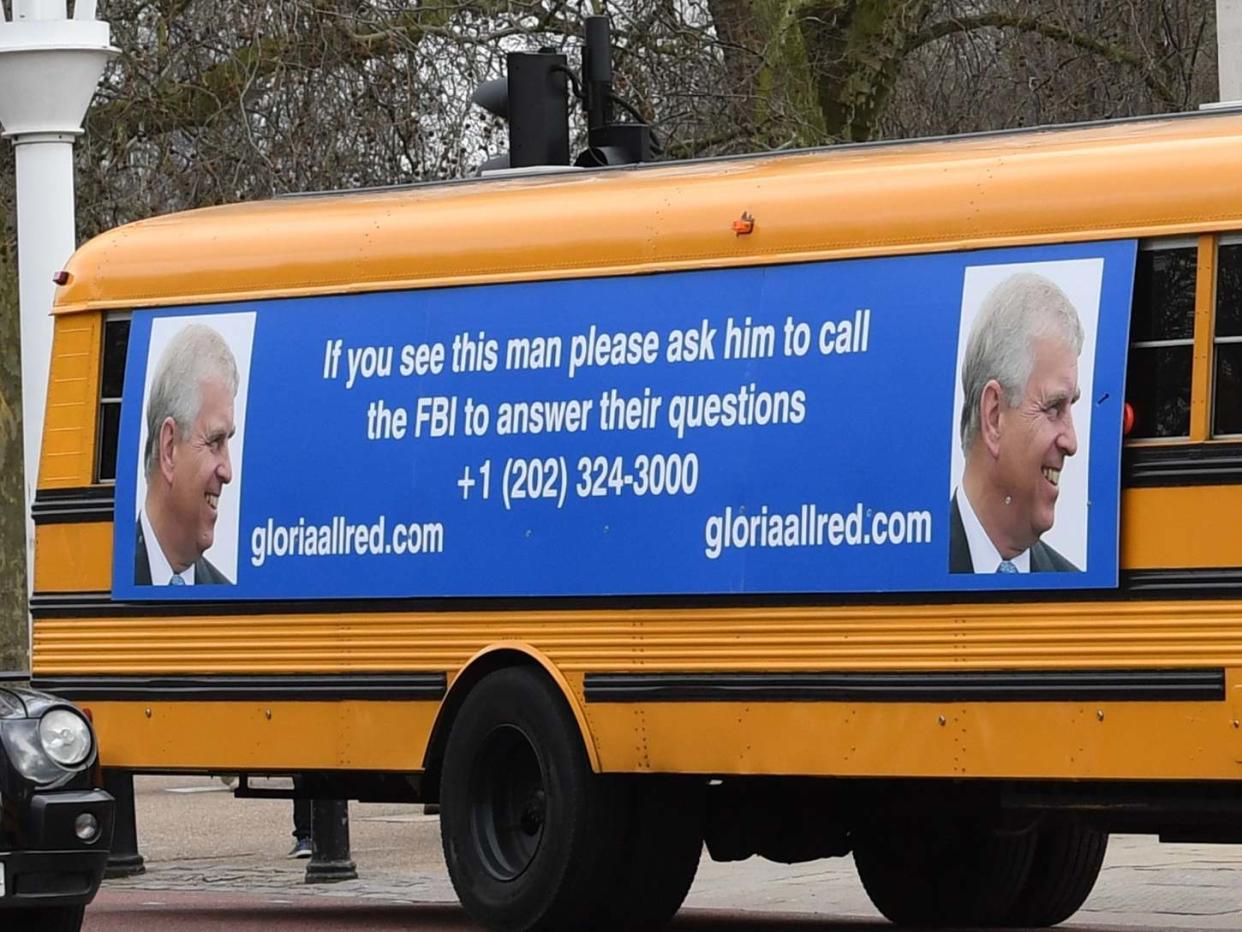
<point>23,702</point>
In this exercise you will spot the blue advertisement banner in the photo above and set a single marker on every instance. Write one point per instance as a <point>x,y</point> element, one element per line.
<point>920,423</point>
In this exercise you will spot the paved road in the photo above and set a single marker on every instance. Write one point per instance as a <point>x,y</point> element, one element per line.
<point>123,911</point>
<point>218,863</point>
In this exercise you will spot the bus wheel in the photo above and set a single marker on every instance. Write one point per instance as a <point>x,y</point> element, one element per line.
<point>942,871</point>
<point>526,826</point>
<point>660,849</point>
<point>1067,861</point>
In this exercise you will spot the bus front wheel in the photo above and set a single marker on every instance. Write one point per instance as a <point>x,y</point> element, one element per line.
<point>534,840</point>
<point>525,824</point>
<point>659,849</point>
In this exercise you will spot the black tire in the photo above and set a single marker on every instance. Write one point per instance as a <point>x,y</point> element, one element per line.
<point>1068,857</point>
<point>937,871</point>
<point>528,830</point>
<point>43,919</point>
<point>659,851</point>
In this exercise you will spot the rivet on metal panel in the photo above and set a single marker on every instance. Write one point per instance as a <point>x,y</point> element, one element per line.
<point>941,719</point>
<point>268,713</point>
<point>148,713</point>
<point>1099,714</point>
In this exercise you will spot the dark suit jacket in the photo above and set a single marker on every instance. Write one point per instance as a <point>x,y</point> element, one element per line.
<point>1043,558</point>
<point>204,573</point>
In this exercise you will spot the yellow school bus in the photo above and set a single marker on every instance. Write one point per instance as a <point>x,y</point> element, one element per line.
<point>624,510</point>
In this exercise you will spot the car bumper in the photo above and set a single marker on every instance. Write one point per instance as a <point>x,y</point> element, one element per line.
<point>51,878</point>
<point>54,867</point>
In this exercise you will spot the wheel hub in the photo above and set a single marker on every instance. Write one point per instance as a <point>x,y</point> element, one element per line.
<point>508,803</point>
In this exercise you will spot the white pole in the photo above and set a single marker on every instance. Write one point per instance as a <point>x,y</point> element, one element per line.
<point>50,66</point>
<point>1229,49</point>
<point>45,237</point>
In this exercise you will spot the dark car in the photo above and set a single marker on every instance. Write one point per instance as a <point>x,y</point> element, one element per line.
<point>55,823</point>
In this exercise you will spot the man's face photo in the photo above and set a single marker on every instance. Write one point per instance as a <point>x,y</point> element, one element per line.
<point>191,450</point>
<point>1021,448</point>
<point>197,468</point>
<point>1034,438</point>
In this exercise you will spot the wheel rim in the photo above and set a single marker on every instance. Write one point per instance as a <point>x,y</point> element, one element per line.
<point>508,803</point>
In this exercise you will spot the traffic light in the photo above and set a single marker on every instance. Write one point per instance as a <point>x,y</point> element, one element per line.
<point>534,99</point>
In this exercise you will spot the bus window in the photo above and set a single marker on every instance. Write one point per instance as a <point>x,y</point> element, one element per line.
<point>1162,342</point>
<point>1227,419</point>
<point>111,381</point>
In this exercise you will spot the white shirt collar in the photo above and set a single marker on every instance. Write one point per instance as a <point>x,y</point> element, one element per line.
<point>984,556</point>
<point>161,570</point>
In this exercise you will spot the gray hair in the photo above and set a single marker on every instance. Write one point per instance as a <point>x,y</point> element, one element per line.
<point>1020,310</point>
<point>194,355</point>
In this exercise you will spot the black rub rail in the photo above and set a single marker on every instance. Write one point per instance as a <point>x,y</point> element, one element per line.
<point>274,687</point>
<point>1168,685</point>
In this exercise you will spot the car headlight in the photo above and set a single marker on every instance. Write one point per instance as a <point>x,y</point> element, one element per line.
<point>65,736</point>
<point>24,749</point>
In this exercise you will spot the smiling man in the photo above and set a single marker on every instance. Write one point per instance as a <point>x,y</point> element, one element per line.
<point>186,459</point>
<point>1020,383</point>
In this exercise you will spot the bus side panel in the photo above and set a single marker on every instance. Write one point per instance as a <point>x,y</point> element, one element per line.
<point>1098,642</point>
<point>1180,527</point>
<point>257,736</point>
<point>72,557</point>
<point>1105,740</point>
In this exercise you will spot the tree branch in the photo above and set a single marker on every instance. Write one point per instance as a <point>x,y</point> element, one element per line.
<point>177,105</point>
<point>1036,25</point>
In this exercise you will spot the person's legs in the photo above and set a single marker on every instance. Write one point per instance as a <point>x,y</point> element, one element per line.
<point>301,824</point>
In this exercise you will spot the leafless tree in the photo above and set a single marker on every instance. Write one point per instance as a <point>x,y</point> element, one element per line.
<point>239,99</point>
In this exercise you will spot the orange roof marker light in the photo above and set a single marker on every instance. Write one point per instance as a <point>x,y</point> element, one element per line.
<point>744,224</point>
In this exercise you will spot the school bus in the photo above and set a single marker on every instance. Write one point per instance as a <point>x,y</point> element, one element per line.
<point>609,510</point>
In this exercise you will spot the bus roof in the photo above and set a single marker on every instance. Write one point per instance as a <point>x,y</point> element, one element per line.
<point>1138,178</point>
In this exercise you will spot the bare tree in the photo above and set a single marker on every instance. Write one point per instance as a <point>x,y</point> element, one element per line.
<point>917,67</point>
<point>12,490</point>
<point>1055,61</point>
<point>238,99</point>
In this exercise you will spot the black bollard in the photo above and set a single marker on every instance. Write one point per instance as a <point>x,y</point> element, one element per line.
<point>124,859</point>
<point>330,860</point>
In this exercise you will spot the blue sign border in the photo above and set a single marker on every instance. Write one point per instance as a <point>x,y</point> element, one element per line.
<point>889,408</point>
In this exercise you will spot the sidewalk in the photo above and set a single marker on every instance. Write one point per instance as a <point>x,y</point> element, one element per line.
<point>196,837</point>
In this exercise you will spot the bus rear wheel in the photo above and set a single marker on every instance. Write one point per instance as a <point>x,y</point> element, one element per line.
<point>1066,864</point>
<point>941,870</point>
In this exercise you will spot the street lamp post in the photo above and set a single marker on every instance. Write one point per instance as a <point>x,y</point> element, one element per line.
<point>50,65</point>
<point>1229,49</point>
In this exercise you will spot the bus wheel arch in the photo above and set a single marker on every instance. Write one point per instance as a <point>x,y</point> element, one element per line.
<point>489,660</point>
